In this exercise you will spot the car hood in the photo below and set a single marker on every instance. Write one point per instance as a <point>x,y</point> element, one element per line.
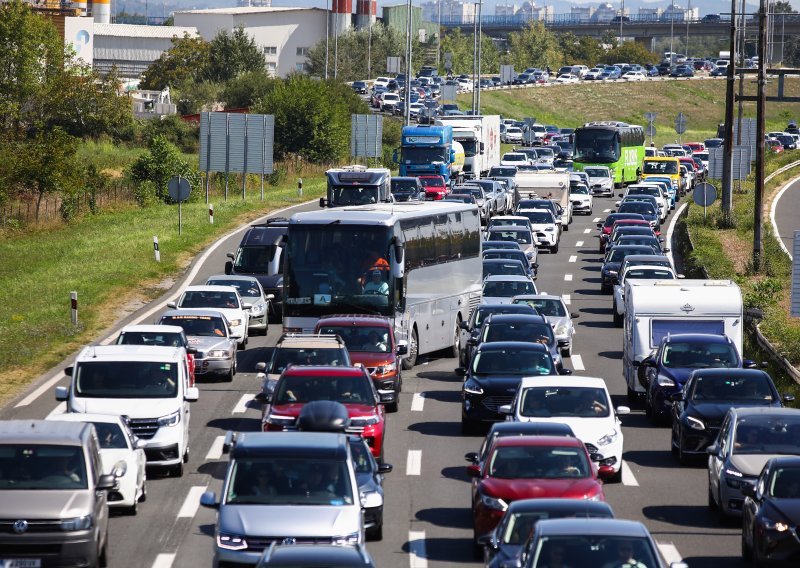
<point>541,227</point>
<point>556,321</point>
<point>515,489</point>
<point>110,458</point>
<point>230,313</point>
<point>207,343</point>
<point>679,375</point>
<point>131,407</point>
<point>289,520</point>
<point>499,382</point>
<point>611,266</point>
<point>370,359</point>
<point>496,300</point>
<point>587,430</point>
<point>716,410</point>
<point>295,408</point>
<point>580,197</point>
<point>46,505</point>
<point>750,464</point>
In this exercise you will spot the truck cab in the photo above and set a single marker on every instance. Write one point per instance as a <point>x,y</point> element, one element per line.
<point>357,185</point>
<point>430,150</point>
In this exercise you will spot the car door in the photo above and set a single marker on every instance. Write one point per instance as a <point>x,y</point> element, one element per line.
<point>717,461</point>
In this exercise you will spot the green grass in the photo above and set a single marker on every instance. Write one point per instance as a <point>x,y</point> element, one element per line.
<point>103,257</point>
<point>702,101</point>
<point>107,155</point>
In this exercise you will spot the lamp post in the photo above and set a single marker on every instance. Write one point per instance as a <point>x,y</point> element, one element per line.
<point>327,33</point>
<point>336,47</point>
<point>480,41</point>
<point>407,97</point>
<point>438,33</point>
<point>621,17</point>
<point>671,36</point>
<point>686,16</point>
<point>474,55</point>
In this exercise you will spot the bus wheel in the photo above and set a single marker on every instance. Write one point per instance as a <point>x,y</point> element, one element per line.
<point>413,349</point>
<point>455,351</point>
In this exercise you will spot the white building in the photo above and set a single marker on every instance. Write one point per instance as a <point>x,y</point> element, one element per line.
<point>130,48</point>
<point>677,13</point>
<point>650,13</point>
<point>505,9</point>
<point>284,35</point>
<point>582,13</point>
<point>529,10</point>
<point>605,13</point>
<point>449,9</point>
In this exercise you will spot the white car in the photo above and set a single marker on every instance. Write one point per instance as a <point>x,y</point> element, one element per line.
<point>251,292</point>
<point>515,159</point>
<point>122,455</point>
<point>223,299</point>
<point>544,227</point>
<point>601,180</point>
<point>381,82</point>
<point>703,159</point>
<point>638,272</point>
<point>583,403</point>
<point>513,135</point>
<point>594,73</point>
<point>568,78</point>
<point>634,76</point>
<point>501,289</point>
<point>557,315</point>
<point>581,199</point>
<point>389,101</point>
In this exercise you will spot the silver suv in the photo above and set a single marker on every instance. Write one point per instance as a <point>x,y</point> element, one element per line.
<point>53,495</point>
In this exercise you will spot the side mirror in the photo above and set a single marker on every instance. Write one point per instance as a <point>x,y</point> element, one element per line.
<point>599,225</point>
<point>471,457</point>
<point>665,250</point>
<point>191,394</point>
<point>505,409</point>
<point>261,367</point>
<point>269,297</point>
<point>209,499</point>
<point>788,397</point>
<point>565,372</point>
<point>68,371</point>
<point>229,266</point>
<point>463,325</point>
<point>106,482</point>
<point>461,371</point>
<point>748,490</point>
<point>712,450</point>
<point>172,305</point>
<point>622,195</point>
<point>191,350</point>
<point>385,468</point>
<point>402,347</point>
<point>676,397</point>
<point>749,364</point>
<point>62,393</point>
<point>622,410</point>
<point>323,202</point>
<point>394,156</point>
<point>141,444</point>
<point>574,315</point>
<point>472,341</point>
<point>486,540</point>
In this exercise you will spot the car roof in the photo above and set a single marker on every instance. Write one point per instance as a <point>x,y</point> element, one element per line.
<point>512,318</point>
<point>522,308</point>
<point>538,297</point>
<point>210,288</point>
<point>736,373</point>
<point>154,328</point>
<point>290,444</point>
<point>521,345</point>
<point>706,337</point>
<point>505,277</point>
<point>560,505</point>
<point>41,432</point>
<point>560,381</point>
<point>356,320</point>
<point>144,353</point>
<point>511,441</point>
<point>745,411</point>
<point>323,371</point>
<point>591,527</point>
<point>528,428</point>
<point>309,341</point>
<point>196,312</point>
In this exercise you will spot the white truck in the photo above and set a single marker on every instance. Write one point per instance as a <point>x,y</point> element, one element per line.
<point>657,308</point>
<point>480,137</point>
<point>546,184</point>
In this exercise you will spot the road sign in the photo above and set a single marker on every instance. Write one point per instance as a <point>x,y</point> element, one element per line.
<point>448,94</point>
<point>506,74</point>
<point>650,130</point>
<point>650,116</point>
<point>704,194</point>
<point>366,135</point>
<point>680,123</point>
<point>393,65</point>
<point>179,188</point>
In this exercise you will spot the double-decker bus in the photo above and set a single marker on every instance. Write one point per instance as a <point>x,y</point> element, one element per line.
<point>416,263</point>
<point>616,145</point>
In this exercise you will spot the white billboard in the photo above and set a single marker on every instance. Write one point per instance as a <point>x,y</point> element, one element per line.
<point>79,34</point>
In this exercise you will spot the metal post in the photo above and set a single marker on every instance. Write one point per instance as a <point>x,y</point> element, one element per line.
<point>336,47</point>
<point>327,33</point>
<point>686,16</point>
<point>671,36</point>
<point>480,42</point>
<point>438,33</point>
<point>621,17</point>
<point>741,45</point>
<point>727,157</point>
<point>474,54</point>
<point>761,118</point>
<point>244,172</point>
<point>407,101</point>
<point>369,50</point>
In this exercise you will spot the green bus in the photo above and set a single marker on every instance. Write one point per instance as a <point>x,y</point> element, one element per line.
<point>616,145</point>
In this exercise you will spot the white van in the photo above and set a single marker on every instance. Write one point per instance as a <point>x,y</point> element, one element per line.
<point>657,308</point>
<point>148,385</point>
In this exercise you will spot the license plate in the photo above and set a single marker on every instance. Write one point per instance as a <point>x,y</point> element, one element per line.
<point>20,563</point>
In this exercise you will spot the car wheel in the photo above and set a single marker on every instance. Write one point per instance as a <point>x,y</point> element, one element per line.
<point>477,549</point>
<point>566,227</point>
<point>648,406</point>
<point>376,532</point>
<point>567,352</point>
<point>143,496</point>
<point>393,407</point>
<point>617,477</point>
<point>229,375</point>
<point>633,398</point>
<point>605,288</point>
<point>554,248</point>
<point>673,447</point>
<point>454,351</point>
<point>617,317</point>
<point>712,505</point>
<point>683,458</point>
<point>102,557</point>
<point>133,509</point>
<point>747,550</point>
<point>413,348</point>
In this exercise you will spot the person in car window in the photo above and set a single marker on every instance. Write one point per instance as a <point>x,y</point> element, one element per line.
<point>555,558</point>
<point>376,342</point>
<point>564,466</point>
<point>748,440</point>
<point>589,406</point>
<point>625,557</point>
<point>376,285</point>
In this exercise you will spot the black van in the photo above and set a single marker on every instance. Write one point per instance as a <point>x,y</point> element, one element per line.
<point>260,255</point>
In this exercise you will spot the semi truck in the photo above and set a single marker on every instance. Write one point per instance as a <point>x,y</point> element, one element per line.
<point>480,137</point>
<point>430,150</point>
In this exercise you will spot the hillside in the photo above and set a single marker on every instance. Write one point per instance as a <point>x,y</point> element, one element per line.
<point>702,101</point>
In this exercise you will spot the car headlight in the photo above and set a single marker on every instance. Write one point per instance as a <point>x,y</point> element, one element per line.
<point>386,369</point>
<point>663,381</point>
<point>120,468</point>
<point>471,386</point>
<point>771,525</point>
<point>231,541</point>
<point>77,523</point>
<point>595,497</point>
<point>609,438</point>
<point>561,329</point>
<point>549,229</point>
<point>734,478</point>
<point>236,322</point>
<point>694,423</point>
<point>170,419</point>
<point>493,503</point>
<point>361,421</point>
<point>219,354</point>
<point>529,255</point>
<point>352,538</point>
<point>611,272</point>
<point>280,420</point>
<point>258,308</point>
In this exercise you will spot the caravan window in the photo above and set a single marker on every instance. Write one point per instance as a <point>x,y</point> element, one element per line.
<point>660,328</point>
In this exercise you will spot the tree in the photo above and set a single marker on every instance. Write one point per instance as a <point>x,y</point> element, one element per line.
<point>232,55</point>
<point>583,50</point>
<point>187,59</point>
<point>161,162</point>
<point>534,46</point>
<point>630,51</point>
<point>462,46</point>
<point>192,96</point>
<point>245,89</point>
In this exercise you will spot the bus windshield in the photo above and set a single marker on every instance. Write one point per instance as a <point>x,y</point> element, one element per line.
<point>353,194</point>
<point>331,268</point>
<point>600,146</point>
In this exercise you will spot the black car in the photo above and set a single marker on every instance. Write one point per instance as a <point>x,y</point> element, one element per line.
<point>651,241</point>
<point>511,254</point>
<point>461,198</point>
<point>503,267</point>
<point>494,375</point>
<point>608,225</point>
<point>360,87</point>
<point>771,514</point>
<point>698,409</point>
<point>520,327</point>
<point>503,429</point>
<point>612,262</point>
<point>682,71</point>
<point>720,71</point>
<point>471,327</point>
<point>626,230</point>
<point>406,188</point>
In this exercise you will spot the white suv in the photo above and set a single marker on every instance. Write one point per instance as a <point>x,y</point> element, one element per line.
<point>223,299</point>
<point>148,385</point>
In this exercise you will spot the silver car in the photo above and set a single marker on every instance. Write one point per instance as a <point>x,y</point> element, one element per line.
<point>251,293</point>
<point>210,335</point>
<point>557,315</point>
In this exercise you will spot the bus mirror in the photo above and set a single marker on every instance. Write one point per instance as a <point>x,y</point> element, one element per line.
<point>397,263</point>
<point>452,156</point>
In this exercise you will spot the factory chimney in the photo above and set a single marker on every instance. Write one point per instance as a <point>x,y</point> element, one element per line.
<point>366,13</point>
<point>341,16</point>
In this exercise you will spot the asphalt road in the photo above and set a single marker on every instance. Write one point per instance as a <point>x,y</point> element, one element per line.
<point>427,513</point>
<point>787,212</point>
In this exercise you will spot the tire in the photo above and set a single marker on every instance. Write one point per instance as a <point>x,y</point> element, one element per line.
<point>683,459</point>
<point>454,351</point>
<point>648,408</point>
<point>413,350</point>
<point>143,496</point>
<point>747,551</point>
<point>229,375</point>
<point>566,227</point>
<point>376,532</point>
<point>633,398</point>
<point>102,557</point>
<point>468,428</point>
<point>133,509</point>
<point>617,477</point>
<point>617,318</point>
<point>567,352</point>
<point>554,248</point>
<point>605,289</point>
<point>712,505</point>
<point>393,407</point>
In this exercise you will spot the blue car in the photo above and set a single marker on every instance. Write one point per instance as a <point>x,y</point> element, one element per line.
<point>665,372</point>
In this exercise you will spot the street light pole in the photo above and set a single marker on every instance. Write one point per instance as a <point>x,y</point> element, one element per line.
<point>407,101</point>
<point>688,12</point>
<point>727,154</point>
<point>480,42</point>
<point>621,17</point>
<point>438,33</point>
<point>474,54</point>
<point>327,33</point>
<point>761,104</point>
<point>336,47</point>
<point>671,36</point>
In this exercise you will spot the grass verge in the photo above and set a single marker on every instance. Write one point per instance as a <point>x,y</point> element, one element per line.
<point>108,259</point>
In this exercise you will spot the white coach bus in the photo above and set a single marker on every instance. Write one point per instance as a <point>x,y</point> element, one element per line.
<point>416,263</point>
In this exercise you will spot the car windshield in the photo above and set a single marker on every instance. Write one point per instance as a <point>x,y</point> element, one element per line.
<point>650,273</point>
<point>505,254</point>
<point>507,288</point>
<point>39,466</point>
<point>521,237</point>
<point>246,288</point>
<point>584,402</point>
<point>286,481</point>
<point>785,483</point>
<point>514,157</point>
<point>197,326</point>
<point>510,267</point>
<point>754,389</point>
<point>539,217</point>
<point>699,355</point>
<point>512,361</point>
<point>660,167</point>
<point>579,190</point>
<point>284,356</point>
<point>539,462</point>
<point>126,379</point>
<point>482,313</point>
<point>507,222</point>
<point>548,307</point>
<point>209,299</point>
<point>353,195</point>
<point>641,207</point>
<point>255,259</point>
<point>372,339</point>
<point>502,172</point>
<point>432,182</point>
<point>404,185</point>
<point>423,154</point>
<point>302,389</point>
<point>152,338</point>
<point>110,435</point>
<point>582,550</point>
<point>618,254</point>
<point>522,331</point>
<point>765,434</point>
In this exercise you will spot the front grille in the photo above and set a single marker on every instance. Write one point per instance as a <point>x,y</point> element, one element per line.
<point>591,448</point>
<point>37,549</point>
<point>7,526</point>
<point>258,544</point>
<point>144,428</point>
<point>357,430</point>
<point>492,403</point>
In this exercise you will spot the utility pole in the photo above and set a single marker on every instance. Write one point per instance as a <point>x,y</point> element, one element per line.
<point>671,36</point>
<point>407,101</point>
<point>480,42</point>
<point>474,55</point>
<point>327,33</point>
<point>621,17</point>
<point>336,47</point>
<point>438,33</point>
<point>727,158</point>
<point>687,14</point>
<point>761,118</point>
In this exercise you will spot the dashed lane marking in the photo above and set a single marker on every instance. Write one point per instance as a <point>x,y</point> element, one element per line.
<point>627,476</point>
<point>60,409</point>
<point>416,550</point>
<point>567,299</point>
<point>418,402</point>
<point>596,220</point>
<point>568,278</point>
<point>192,502</point>
<point>670,552</point>
<point>215,451</point>
<point>577,363</point>
<point>573,258</point>
<point>587,231</point>
<point>164,560</point>
<point>414,463</point>
<point>241,406</point>
<point>579,244</point>
<point>606,210</point>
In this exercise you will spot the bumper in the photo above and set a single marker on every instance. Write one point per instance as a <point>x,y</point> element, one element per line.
<point>125,494</point>
<point>51,549</point>
<point>731,498</point>
<point>581,206</point>
<point>779,548</point>
<point>546,239</point>
<point>373,517</point>
<point>607,191</point>
<point>258,322</point>
<point>390,382</point>
<point>163,453</point>
<point>695,441</point>
<point>204,367</point>
<point>482,408</point>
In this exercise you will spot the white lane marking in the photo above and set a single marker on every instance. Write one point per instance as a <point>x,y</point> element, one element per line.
<point>596,220</point>
<point>60,409</point>
<point>772,220</point>
<point>418,401</point>
<point>573,258</point>
<point>164,560</point>
<point>587,231</point>
<point>579,244</point>
<point>414,463</point>
<point>627,475</point>
<point>567,299</point>
<point>568,278</point>
<point>577,363</point>
<point>416,550</point>
<point>215,451</point>
<point>671,228</point>
<point>670,552</point>
<point>192,502</point>
<point>198,265</point>
<point>606,210</point>
<point>241,406</point>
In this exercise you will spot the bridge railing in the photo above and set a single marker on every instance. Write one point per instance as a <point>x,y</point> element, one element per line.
<point>519,20</point>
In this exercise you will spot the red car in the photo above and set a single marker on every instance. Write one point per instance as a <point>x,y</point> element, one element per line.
<point>618,219</point>
<point>435,187</point>
<point>773,145</point>
<point>696,146</point>
<point>530,467</point>
<point>350,386</point>
<point>370,342</point>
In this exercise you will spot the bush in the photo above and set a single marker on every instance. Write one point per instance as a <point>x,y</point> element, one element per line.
<point>146,193</point>
<point>176,130</point>
<point>159,164</point>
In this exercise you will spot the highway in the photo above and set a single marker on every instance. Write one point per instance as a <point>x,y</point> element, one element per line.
<point>427,513</point>
<point>784,213</point>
